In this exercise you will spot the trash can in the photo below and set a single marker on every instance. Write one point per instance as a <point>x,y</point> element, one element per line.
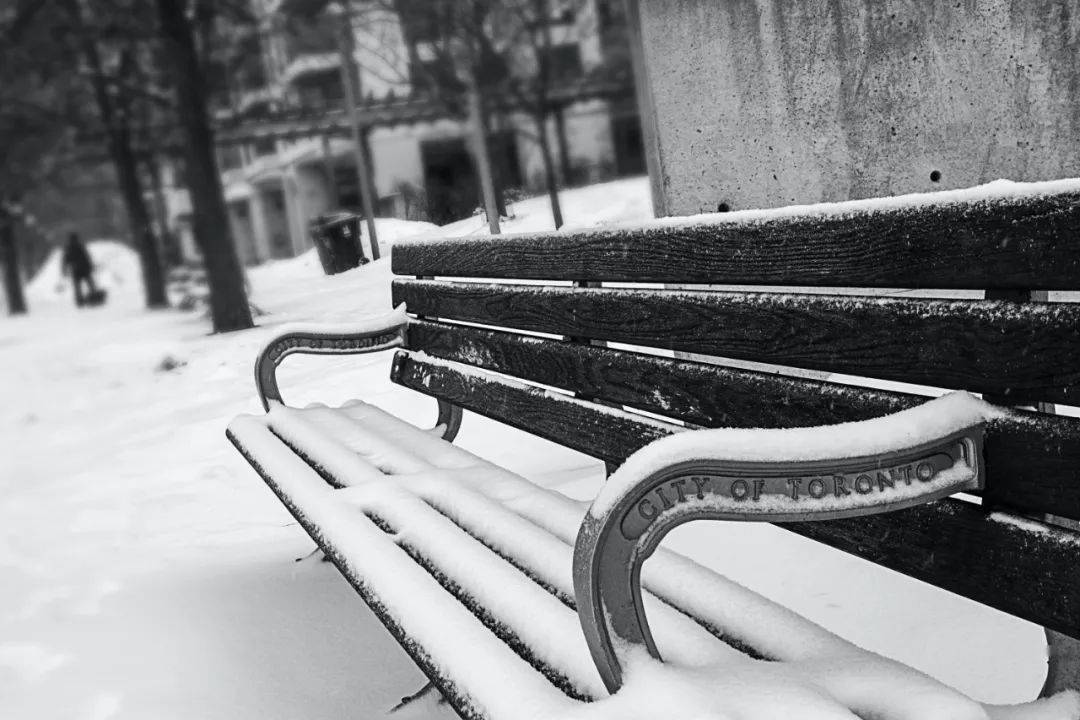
<point>337,240</point>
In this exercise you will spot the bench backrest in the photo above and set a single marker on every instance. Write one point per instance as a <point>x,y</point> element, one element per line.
<point>900,290</point>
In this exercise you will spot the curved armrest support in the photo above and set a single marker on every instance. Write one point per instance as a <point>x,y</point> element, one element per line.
<point>382,333</point>
<point>680,478</point>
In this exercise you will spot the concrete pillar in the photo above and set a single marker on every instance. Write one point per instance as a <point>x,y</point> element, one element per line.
<point>240,224</point>
<point>296,217</point>
<point>260,233</point>
<point>771,103</point>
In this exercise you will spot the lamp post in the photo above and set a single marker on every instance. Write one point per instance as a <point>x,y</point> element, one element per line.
<point>350,78</point>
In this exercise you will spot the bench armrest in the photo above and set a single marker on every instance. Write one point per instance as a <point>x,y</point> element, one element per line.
<point>381,333</point>
<point>802,474</point>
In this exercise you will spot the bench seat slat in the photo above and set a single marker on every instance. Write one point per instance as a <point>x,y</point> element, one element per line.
<point>718,602</point>
<point>512,606</point>
<point>1033,459</point>
<point>521,613</point>
<point>543,557</point>
<point>425,619</point>
<point>534,529</point>
<point>365,439</point>
<point>680,638</point>
<point>1019,243</point>
<point>1026,352</point>
<point>951,544</point>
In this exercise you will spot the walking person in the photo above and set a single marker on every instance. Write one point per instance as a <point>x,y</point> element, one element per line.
<point>78,264</point>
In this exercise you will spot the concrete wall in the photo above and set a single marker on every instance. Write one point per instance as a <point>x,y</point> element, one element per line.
<point>772,102</point>
<point>395,155</point>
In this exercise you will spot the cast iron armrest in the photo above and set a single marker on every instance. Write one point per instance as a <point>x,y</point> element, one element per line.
<point>383,333</point>
<point>663,485</point>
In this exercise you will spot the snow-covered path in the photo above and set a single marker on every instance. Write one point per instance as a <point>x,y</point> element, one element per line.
<point>146,572</point>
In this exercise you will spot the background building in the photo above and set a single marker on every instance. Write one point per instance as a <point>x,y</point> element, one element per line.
<point>284,146</point>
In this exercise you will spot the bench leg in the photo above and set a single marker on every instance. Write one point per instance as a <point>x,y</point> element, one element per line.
<point>1063,665</point>
<point>449,420</point>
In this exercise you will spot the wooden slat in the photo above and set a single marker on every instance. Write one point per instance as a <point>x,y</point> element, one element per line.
<point>1012,243</point>
<point>1029,571</point>
<point>950,544</point>
<point>458,699</point>
<point>1033,460</point>
<point>279,477</point>
<point>1027,352</point>
<point>697,393</point>
<point>608,436</point>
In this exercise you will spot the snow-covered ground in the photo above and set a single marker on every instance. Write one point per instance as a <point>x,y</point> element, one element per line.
<point>146,571</point>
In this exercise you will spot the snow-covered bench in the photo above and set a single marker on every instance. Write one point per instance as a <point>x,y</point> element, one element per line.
<point>520,602</point>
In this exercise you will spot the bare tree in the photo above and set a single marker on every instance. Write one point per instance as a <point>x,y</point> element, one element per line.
<point>9,258</point>
<point>122,30</point>
<point>501,50</point>
<point>443,49</point>
<point>38,104</point>
<point>533,19</point>
<point>229,307</point>
<point>95,59</point>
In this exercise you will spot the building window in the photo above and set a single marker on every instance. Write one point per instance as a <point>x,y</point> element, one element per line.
<point>249,70</point>
<point>264,146</point>
<point>320,90</point>
<point>564,62</point>
<point>610,14</point>
<point>564,13</point>
<point>310,35</point>
<point>229,157</point>
<point>433,75</point>
<point>422,21</point>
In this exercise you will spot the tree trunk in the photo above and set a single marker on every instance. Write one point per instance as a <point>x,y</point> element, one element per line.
<point>229,307</point>
<point>369,169</point>
<point>478,124</point>
<point>496,158</point>
<point>564,146</point>
<point>127,173</point>
<point>13,290</point>
<point>498,180</point>
<point>350,80</point>
<point>142,228</point>
<point>549,170</point>
<point>170,255</point>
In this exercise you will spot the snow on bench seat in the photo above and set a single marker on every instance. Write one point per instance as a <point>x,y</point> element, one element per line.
<point>470,567</point>
<point>440,633</point>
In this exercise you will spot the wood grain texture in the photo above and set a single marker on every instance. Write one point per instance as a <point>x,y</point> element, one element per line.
<point>1033,460</point>
<point>610,436</point>
<point>1028,243</point>
<point>960,548</point>
<point>950,544</point>
<point>693,392</point>
<point>1026,352</point>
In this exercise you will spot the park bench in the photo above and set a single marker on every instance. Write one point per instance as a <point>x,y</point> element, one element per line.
<point>626,343</point>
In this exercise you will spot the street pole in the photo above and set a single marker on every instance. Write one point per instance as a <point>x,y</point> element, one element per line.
<point>350,78</point>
